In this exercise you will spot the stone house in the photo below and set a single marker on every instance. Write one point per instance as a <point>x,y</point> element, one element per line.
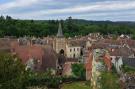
<point>36,57</point>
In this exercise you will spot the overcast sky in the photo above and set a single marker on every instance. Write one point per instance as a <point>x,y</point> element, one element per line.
<point>115,10</point>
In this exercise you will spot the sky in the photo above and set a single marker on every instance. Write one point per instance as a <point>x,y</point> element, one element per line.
<point>114,10</point>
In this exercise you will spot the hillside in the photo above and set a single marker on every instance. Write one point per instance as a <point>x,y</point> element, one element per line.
<point>71,27</point>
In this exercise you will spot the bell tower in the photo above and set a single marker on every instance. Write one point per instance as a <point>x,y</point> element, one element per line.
<point>60,41</point>
<point>60,32</point>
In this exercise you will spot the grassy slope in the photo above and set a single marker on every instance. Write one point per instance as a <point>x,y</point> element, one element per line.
<point>76,85</point>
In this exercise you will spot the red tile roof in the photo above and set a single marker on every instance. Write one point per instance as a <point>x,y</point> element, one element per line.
<point>89,62</point>
<point>107,60</point>
<point>46,55</point>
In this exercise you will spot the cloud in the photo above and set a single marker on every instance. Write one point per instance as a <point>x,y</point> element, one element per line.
<point>62,8</point>
<point>102,6</point>
<point>17,3</point>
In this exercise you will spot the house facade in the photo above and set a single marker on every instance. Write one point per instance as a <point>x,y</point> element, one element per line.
<point>73,51</point>
<point>98,61</point>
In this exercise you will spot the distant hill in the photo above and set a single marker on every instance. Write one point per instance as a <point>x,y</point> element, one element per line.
<point>71,27</point>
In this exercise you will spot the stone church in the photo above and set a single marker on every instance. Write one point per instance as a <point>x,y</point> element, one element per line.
<point>64,46</point>
<point>59,44</point>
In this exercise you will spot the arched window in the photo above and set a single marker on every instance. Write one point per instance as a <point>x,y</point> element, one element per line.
<point>61,51</point>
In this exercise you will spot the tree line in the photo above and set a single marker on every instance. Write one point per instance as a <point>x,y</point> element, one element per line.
<point>71,27</point>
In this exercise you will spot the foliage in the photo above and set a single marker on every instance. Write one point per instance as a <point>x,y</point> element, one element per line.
<point>43,79</point>
<point>72,27</point>
<point>54,82</point>
<point>46,79</point>
<point>79,71</point>
<point>12,73</point>
<point>128,69</point>
<point>114,69</point>
<point>109,81</point>
<point>14,76</point>
<point>76,85</point>
<point>88,83</point>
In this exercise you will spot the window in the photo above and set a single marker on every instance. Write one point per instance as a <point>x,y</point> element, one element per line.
<point>74,55</point>
<point>70,50</point>
<point>77,49</point>
<point>74,49</point>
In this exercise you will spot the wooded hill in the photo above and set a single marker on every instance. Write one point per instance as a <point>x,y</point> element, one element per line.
<point>71,27</point>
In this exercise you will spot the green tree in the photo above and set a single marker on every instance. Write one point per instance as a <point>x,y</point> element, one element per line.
<point>71,27</point>
<point>11,72</point>
<point>109,81</point>
<point>79,71</point>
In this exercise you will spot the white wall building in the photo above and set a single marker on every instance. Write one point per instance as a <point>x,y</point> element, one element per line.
<point>117,62</point>
<point>73,51</point>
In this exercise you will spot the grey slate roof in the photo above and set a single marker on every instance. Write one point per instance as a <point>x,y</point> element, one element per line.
<point>129,61</point>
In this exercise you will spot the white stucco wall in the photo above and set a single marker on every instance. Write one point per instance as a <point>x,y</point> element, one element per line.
<point>73,52</point>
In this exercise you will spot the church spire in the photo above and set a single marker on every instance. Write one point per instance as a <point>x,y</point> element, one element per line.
<point>60,33</point>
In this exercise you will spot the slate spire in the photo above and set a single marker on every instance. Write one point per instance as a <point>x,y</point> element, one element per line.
<point>60,33</point>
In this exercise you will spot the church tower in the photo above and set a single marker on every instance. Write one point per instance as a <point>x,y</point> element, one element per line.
<point>59,44</point>
<point>60,33</point>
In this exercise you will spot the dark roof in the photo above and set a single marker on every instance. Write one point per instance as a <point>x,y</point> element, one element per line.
<point>122,51</point>
<point>74,43</point>
<point>61,59</point>
<point>71,60</point>
<point>49,58</point>
<point>129,61</point>
<point>100,45</point>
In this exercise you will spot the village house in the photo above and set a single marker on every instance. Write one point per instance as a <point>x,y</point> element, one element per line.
<point>128,81</point>
<point>98,61</point>
<point>73,50</point>
<point>5,44</point>
<point>35,57</point>
<point>95,56</point>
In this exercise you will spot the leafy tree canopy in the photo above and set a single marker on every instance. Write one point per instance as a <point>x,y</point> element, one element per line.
<point>71,27</point>
<point>11,72</point>
<point>79,71</point>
